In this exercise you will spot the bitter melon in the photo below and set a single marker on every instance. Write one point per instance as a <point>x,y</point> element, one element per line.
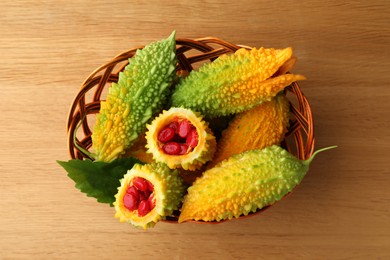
<point>180,138</point>
<point>244,183</point>
<point>148,194</point>
<point>140,93</point>
<point>139,151</point>
<point>256,128</point>
<point>234,83</point>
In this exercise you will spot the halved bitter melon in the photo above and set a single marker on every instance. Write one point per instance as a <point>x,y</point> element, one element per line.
<point>148,193</point>
<point>180,138</point>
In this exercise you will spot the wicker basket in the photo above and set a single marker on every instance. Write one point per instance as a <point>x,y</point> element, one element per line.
<point>191,53</point>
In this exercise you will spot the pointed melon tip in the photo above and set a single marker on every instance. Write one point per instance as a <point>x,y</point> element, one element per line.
<point>172,35</point>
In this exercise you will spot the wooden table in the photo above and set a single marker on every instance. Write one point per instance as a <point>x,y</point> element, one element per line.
<point>342,208</point>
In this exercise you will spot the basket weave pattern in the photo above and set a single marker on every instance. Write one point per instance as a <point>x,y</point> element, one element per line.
<point>299,139</point>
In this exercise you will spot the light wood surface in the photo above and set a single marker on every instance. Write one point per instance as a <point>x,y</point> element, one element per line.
<point>341,209</point>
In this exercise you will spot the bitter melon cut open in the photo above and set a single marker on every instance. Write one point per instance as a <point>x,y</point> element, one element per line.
<point>180,138</point>
<point>148,193</point>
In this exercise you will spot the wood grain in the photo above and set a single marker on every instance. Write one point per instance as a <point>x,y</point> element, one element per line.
<point>340,211</point>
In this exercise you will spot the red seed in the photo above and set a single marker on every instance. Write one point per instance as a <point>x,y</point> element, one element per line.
<point>166,134</point>
<point>183,149</point>
<point>130,202</point>
<point>133,190</point>
<point>184,128</point>
<point>192,138</point>
<point>150,185</point>
<point>143,208</point>
<point>171,148</point>
<point>142,196</point>
<point>147,194</point>
<point>140,183</point>
<point>174,125</point>
<point>152,202</point>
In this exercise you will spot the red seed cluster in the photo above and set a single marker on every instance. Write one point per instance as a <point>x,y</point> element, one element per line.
<point>178,137</point>
<point>139,196</point>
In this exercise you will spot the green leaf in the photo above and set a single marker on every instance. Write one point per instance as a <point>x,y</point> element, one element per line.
<point>98,179</point>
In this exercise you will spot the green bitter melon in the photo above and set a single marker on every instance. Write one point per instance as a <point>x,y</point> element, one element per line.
<point>244,183</point>
<point>234,83</point>
<point>140,93</point>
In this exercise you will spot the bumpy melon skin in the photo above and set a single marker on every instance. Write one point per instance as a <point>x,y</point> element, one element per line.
<point>242,184</point>
<point>168,193</point>
<point>194,160</point>
<point>259,127</point>
<point>139,151</point>
<point>234,83</point>
<point>140,93</point>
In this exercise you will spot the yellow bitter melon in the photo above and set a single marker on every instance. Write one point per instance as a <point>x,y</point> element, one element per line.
<point>244,183</point>
<point>180,138</point>
<point>148,194</point>
<point>234,83</point>
<point>259,127</point>
<point>139,151</point>
<point>140,93</point>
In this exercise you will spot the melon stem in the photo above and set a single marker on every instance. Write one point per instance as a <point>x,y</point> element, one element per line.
<point>81,149</point>
<point>308,161</point>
